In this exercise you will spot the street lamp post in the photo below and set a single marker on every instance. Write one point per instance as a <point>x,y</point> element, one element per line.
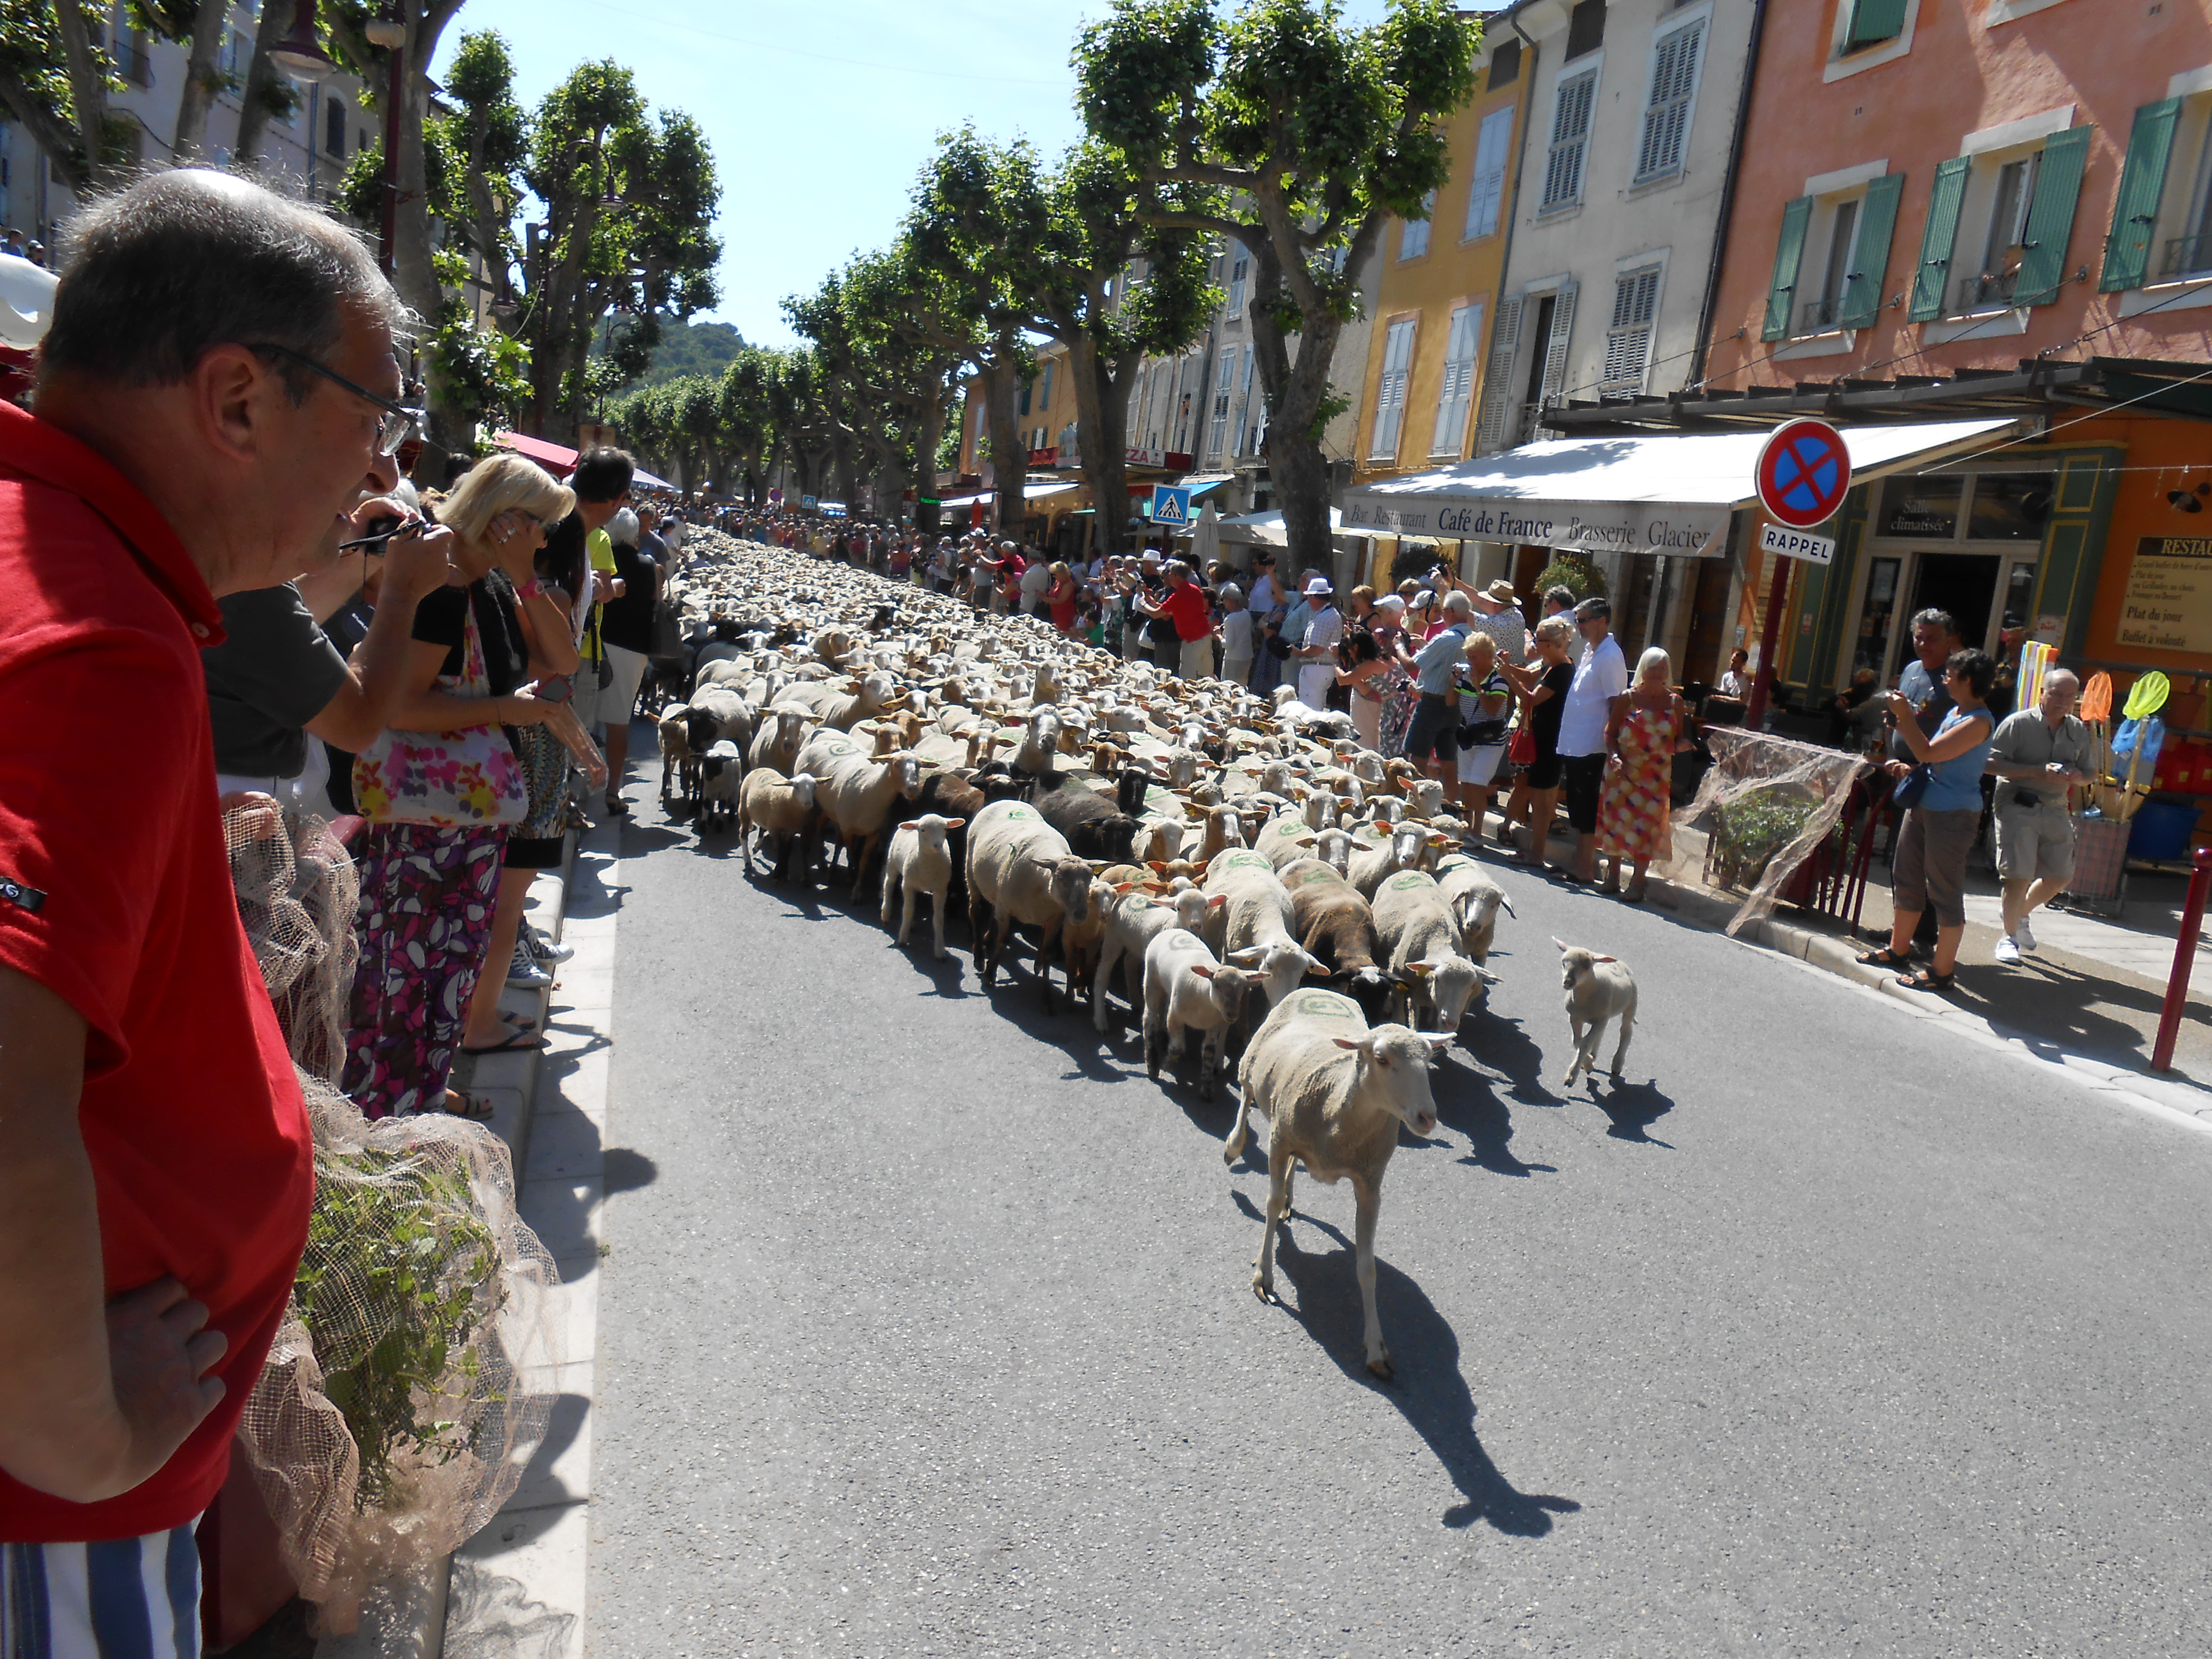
<point>390,31</point>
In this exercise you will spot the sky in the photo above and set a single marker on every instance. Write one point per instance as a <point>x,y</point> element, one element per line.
<point>819,117</point>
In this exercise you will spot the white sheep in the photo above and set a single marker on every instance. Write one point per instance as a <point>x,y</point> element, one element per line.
<point>771,805</point>
<point>1185,990</point>
<point>1598,988</point>
<point>920,861</point>
<point>1137,916</point>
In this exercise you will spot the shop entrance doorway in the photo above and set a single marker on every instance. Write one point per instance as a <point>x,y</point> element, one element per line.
<point>1964,584</point>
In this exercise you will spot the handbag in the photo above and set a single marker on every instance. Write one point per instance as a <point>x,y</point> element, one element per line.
<point>1912,786</point>
<point>464,780</point>
<point>1521,752</point>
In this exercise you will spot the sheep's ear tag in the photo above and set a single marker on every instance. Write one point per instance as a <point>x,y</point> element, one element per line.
<point>1605,958</point>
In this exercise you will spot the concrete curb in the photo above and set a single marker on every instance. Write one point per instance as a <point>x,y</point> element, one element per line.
<point>459,1605</point>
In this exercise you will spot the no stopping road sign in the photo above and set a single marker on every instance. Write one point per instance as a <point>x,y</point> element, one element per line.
<point>1803,473</point>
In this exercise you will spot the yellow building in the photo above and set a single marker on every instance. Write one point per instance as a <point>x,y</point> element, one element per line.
<point>1044,414</point>
<point>1439,292</point>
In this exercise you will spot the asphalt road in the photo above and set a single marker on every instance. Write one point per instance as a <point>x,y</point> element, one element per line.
<point>926,1325</point>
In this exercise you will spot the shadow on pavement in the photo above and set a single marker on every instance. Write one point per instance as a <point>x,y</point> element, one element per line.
<point>1467,1101</point>
<point>1428,1387</point>
<point>622,1170</point>
<point>1633,1108</point>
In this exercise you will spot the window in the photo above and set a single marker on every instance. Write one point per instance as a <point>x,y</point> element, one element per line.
<point>1239,268</point>
<point>1585,28</point>
<point>1873,23</point>
<point>1666,112</point>
<point>1224,382</point>
<point>1044,396</point>
<point>1628,340</point>
<point>1390,389</point>
<point>1505,64</point>
<point>1413,239</point>
<point>1028,389</point>
<point>334,128</point>
<point>1456,391</point>
<point>1823,309</point>
<point>1485,195</point>
<point>1252,414</point>
<point>1570,122</point>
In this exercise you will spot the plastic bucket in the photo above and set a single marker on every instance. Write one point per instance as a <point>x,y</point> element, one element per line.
<point>2161,831</point>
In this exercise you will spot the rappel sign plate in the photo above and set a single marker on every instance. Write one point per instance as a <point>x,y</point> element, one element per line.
<point>1803,474</point>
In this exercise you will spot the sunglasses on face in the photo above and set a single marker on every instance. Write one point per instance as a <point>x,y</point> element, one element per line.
<point>398,423</point>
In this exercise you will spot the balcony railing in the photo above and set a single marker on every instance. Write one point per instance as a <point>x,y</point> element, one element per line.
<point>1985,292</point>
<point>1819,316</point>
<point>2185,256</point>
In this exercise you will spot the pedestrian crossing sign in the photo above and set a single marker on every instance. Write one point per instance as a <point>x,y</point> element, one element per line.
<point>1169,505</point>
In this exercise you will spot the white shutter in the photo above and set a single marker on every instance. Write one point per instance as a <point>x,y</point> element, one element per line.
<point>1497,378</point>
<point>1413,239</point>
<point>1571,119</point>
<point>1628,340</point>
<point>1667,117</point>
<point>1458,386</point>
<point>1390,389</point>
<point>1485,195</point>
<point>1224,380</point>
<point>1555,352</point>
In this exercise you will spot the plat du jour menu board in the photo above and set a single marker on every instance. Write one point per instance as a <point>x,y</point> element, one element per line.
<point>2168,603</point>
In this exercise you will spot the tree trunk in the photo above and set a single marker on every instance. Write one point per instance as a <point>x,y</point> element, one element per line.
<point>197,94</point>
<point>1101,416</point>
<point>260,75</point>
<point>1296,465</point>
<point>88,93</point>
<point>1010,457</point>
<point>929,432</point>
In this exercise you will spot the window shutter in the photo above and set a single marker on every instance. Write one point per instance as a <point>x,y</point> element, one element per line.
<point>1457,390</point>
<point>2050,218</point>
<point>1563,168</point>
<point>1870,259</point>
<point>1390,389</point>
<point>1497,377</point>
<point>1628,340</point>
<point>1788,254</point>
<point>1875,21</point>
<point>1555,354</point>
<point>1667,118</point>
<point>1485,195</point>
<point>2134,210</point>
<point>1934,274</point>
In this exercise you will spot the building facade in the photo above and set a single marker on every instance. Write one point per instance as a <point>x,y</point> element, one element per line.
<point>1947,207</point>
<point>312,147</point>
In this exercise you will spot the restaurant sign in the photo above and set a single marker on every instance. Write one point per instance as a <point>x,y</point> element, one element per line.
<point>2168,603</point>
<point>1691,531</point>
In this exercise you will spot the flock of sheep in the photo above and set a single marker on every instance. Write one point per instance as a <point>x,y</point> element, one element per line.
<point>1252,873</point>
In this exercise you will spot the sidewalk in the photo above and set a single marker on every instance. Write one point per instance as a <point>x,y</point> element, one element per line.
<point>518,1586</point>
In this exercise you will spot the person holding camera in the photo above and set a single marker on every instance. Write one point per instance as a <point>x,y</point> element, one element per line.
<point>2037,756</point>
<point>1433,741</point>
<point>1943,802</point>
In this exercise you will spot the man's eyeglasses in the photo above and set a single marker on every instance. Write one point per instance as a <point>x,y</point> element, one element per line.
<point>398,423</point>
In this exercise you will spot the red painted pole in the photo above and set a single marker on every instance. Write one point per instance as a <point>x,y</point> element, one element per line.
<point>1770,641</point>
<point>2185,959</point>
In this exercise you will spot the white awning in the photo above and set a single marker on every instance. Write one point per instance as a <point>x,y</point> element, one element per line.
<point>1633,494</point>
<point>1266,529</point>
<point>1032,493</point>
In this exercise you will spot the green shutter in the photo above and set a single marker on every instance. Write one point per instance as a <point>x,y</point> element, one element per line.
<point>1788,256</point>
<point>1877,228</point>
<point>1936,242</point>
<point>2050,216</point>
<point>2134,210</point>
<point>1874,21</point>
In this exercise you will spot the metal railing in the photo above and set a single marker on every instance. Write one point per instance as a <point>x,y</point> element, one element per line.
<point>1820,316</point>
<point>2185,256</point>
<point>1984,292</point>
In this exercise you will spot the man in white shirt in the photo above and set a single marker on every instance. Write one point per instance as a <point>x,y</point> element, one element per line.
<point>1316,657</point>
<point>1037,582</point>
<point>1589,725</point>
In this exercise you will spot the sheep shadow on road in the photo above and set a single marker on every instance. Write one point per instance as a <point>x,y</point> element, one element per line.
<point>1633,1108</point>
<point>1428,1389</point>
<point>1467,1100</point>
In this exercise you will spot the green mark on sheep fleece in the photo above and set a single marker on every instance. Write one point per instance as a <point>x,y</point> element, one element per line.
<point>1326,1004</point>
<point>1019,813</point>
<point>1411,879</point>
<point>1245,861</point>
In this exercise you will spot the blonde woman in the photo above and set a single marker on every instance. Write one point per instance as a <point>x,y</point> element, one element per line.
<point>430,893</point>
<point>1634,796</point>
<point>1485,700</point>
<point>1542,687</point>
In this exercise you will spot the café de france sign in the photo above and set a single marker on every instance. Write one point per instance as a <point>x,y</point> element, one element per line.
<point>1690,530</point>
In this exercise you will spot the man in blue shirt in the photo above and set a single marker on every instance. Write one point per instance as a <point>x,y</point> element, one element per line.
<point>1432,740</point>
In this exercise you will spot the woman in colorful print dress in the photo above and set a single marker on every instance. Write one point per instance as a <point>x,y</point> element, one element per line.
<point>1639,777</point>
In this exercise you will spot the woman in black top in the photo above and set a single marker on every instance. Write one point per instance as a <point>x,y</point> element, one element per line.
<point>436,916</point>
<point>1543,688</point>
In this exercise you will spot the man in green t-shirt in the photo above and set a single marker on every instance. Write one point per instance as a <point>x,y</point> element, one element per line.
<point>601,482</point>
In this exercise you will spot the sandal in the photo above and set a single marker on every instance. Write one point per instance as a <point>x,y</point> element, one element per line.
<point>1927,979</point>
<point>1634,895</point>
<point>514,1043</point>
<point>1884,958</point>
<point>617,807</point>
<point>474,1109</point>
<point>517,1024</point>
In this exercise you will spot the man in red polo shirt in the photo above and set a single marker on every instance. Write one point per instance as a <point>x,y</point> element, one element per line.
<point>218,386</point>
<point>1186,606</point>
